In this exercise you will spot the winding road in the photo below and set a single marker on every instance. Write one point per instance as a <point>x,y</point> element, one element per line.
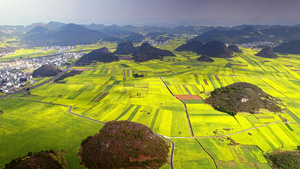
<point>227,135</point>
<point>185,109</point>
<point>70,111</point>
<point>207,153</point>
<point>38,85</point>
<point>172,150</point>
<point>164,137</point>
<point>71,107</point>
<point>189,122</point>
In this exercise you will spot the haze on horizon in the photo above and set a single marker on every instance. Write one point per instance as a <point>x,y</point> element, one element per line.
<point>138,12</point>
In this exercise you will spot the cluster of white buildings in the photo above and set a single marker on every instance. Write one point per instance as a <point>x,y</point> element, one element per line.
<point>61,49</point>
<point>157,43</point>
<point>5,54</point>
<point>12,80</point>
<point>17,74</point>
<point>258,45</point>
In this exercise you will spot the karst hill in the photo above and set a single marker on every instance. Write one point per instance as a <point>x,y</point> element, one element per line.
<point>242,97</point>
<point>190,46</point>
<point>98,55</point>
<point>124,144</point>
<point>147,52</point>
<point>215,49</point>
<point>46,71</point>
<point>125,48</point>
<point>41,160</point>
<point>205,58</point>
<point>212,49</point>
<point>266,53</point>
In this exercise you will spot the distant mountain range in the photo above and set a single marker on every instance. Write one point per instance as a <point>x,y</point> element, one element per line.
<point>292,47</point>
<point>251,34</point>
<point>57,33</point>
<point>69,34</point>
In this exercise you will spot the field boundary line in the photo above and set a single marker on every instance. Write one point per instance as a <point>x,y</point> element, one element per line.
<point>207,153</point>
<point>231,67</point>
<point>70,111</point>
<point>172,150</point>
<point>279,92</point>
<point>226,135</point>
<point>184,106</point>
<point>238,76</point>
<point>293,66</point>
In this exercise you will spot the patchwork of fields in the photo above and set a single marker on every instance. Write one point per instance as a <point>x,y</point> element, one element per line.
<point>169,100</point>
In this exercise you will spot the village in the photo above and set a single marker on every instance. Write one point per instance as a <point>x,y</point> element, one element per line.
<point>258,45</point>
<point>16,74</point>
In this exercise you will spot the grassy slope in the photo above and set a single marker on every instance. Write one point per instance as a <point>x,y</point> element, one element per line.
<point>146,100</point>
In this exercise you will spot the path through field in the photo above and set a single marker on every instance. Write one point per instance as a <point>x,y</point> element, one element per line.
<point>185,109</point>
<point>70,111</point>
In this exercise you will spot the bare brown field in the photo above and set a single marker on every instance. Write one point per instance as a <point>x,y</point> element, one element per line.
<point>188,97</point>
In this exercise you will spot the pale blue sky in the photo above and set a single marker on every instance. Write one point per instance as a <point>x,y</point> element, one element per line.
<point>15,12</point>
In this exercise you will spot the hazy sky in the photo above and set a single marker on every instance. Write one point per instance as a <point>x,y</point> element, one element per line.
<point>225,12</point>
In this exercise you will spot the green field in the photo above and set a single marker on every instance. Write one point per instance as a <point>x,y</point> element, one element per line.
<point>28,53</point>
<point>10,43</point>
<point>109,91</point>
<point>28,126</point>
<point>91,47</point>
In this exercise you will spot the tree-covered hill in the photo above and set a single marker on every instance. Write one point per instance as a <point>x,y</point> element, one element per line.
<point>125,48</point>
<point>147,52</point>
<point>215,49</point>
<point>124,144</point>
<point>242,97</point>
<point>43,160</point>
<point>98,55</point>
<point>266,53</point>
<point>46,71</point>
<point>292,47</point>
